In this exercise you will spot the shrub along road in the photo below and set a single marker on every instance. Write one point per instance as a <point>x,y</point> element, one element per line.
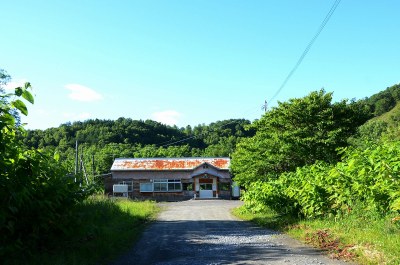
<point>205,232</point>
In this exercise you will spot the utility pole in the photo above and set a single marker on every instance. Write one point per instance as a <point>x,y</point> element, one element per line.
<point>265,106</point>
<point>84,169</point>
<point>76,159</point>
<point>81,165</point>
<point>93,168</point>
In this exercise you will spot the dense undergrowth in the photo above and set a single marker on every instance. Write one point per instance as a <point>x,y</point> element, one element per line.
<point>101,229</point>
<point>350,209</point>
<point>370,177</point>
<point>48,216</point>
<point>349,205</point>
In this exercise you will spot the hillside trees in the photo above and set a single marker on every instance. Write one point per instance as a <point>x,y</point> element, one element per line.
<point>383,101</point>
<point>296,133</point>
<point>124,137</point>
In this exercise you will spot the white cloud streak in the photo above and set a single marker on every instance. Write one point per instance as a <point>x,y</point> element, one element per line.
<point>169,117</point>
<point>82,93</point>
<point>77,116</point>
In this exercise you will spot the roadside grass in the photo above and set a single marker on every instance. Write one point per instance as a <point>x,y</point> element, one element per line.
<point>103,229</point>
<point>363,236</point>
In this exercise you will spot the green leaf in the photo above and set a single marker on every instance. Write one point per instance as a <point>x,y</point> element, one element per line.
<point>28,96</point>
<point>56,156</point>
<point>18,91</point>
<point>7,119</point>
<point>20,106</point>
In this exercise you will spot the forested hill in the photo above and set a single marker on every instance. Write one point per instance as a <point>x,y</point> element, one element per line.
<point>136,132</point>
<point>383,101</point>
<point>124,137</point>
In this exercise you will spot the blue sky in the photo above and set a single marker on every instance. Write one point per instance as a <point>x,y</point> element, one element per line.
<point>192,61</point>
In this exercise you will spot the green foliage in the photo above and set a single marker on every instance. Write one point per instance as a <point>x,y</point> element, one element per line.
<point>365,236</point>
<point>383,101</point>
<point>36,196</point>
<point>370,132</point>
<point>296,133</point>
<point>106,140</point>
<point>102,229</point>
<point>383,128</point>
<point>369,177</point>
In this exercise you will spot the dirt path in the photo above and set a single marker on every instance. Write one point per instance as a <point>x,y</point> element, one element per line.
<point>204,232</point>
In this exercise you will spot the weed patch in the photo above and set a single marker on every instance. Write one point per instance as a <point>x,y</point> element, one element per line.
<point>324,240</point>
<point>101,229</point>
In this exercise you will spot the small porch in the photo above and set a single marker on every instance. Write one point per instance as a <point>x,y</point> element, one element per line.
<point>207,186</point>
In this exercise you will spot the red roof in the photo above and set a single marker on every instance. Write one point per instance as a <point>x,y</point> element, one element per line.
<point>168,163</point>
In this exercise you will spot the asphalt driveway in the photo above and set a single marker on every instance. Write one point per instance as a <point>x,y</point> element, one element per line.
<point>204,232</point>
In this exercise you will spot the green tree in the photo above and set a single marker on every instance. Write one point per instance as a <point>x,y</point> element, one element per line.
<point>36,195</point>
<point>296,133</point>
<point>384,105</point>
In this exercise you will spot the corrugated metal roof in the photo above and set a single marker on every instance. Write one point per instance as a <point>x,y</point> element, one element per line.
<point>168,163</point>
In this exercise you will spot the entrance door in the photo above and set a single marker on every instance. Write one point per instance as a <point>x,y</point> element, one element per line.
<point>206,190</point>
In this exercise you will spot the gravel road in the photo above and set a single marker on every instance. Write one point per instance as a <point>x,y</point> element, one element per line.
<point>204,232</point>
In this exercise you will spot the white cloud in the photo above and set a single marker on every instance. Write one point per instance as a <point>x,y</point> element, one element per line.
<point>169,117</point>
<point>77,116</point>
<point>82,93</point>
<point>12,85</point>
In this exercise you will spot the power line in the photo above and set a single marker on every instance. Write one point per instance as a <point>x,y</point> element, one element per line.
<point>183,139</point>
<point>306,50</point>
<point>264,106</point>
<point>299,61</point>
<point>179,141</point>
<point>194,136</point>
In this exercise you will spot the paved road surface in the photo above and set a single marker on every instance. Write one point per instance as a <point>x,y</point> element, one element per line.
<point>204,232</point>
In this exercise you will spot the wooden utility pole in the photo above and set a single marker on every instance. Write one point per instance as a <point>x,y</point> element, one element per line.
<point>265,106</point>
<point>76,160</point>
<point>84,170</point>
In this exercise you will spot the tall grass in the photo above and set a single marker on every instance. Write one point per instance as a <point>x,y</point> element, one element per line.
<point>363,235</point>
<point>101,230</point>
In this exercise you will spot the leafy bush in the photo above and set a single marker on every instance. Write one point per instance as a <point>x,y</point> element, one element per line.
<point>296,133</point>
<point>35,193</point>
<point>368,177</point>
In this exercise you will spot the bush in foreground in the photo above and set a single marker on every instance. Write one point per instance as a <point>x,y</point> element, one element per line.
<point>101,229</point>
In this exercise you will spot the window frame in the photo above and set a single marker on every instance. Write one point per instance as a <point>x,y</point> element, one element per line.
<point>164,185</point>
<point>146,183</point>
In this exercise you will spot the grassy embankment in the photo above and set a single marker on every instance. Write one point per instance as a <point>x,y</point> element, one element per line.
<point>362,236</point>
<point>104,228</point>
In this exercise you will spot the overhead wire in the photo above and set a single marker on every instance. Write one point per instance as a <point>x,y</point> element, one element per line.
<point>307,49</point>
<point>168,143</point>
<point>299,61</point>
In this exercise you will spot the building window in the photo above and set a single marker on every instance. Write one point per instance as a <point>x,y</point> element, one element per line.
<point>146,187</point>
<point>160,185</point>
<point>129,183</point>
<point>167,185</point>
<point>174,185</point>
